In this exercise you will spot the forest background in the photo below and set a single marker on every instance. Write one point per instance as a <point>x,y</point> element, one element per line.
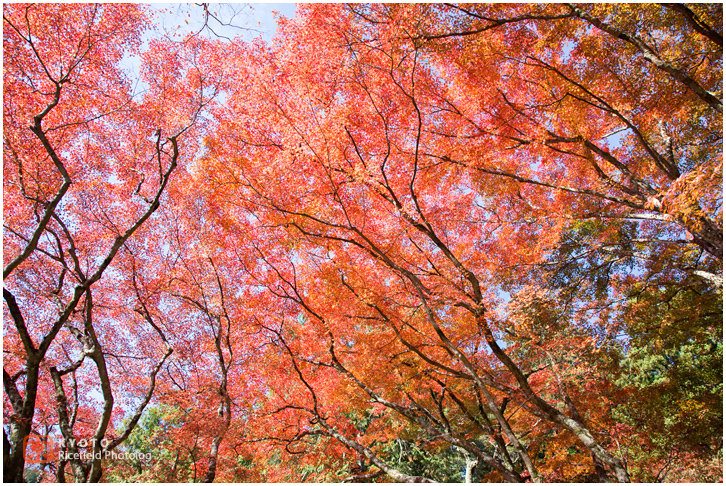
<point>393,243</point>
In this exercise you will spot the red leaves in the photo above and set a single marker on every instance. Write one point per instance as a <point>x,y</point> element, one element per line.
<point>396,221</point>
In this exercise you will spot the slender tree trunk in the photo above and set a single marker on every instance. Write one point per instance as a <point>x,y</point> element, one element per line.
<point>469,465</point>
<point>212,471</point>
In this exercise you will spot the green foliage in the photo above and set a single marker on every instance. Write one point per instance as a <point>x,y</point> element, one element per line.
<point>584,261</point>
<point>362,422</point>
<point>439,463</point>
<point>33,474</point>
<point>673,371</point>
<point>150,454</point>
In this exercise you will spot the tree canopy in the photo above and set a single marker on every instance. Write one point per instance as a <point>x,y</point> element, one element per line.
<point>413,243</point>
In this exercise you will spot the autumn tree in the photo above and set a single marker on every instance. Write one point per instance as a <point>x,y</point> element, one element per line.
<point>422,163</point>
<point>87,164</point>
<point>397,240</point>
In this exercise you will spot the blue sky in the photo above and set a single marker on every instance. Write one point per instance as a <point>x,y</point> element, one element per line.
<point>245,20</point>
<point>248,20</point>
